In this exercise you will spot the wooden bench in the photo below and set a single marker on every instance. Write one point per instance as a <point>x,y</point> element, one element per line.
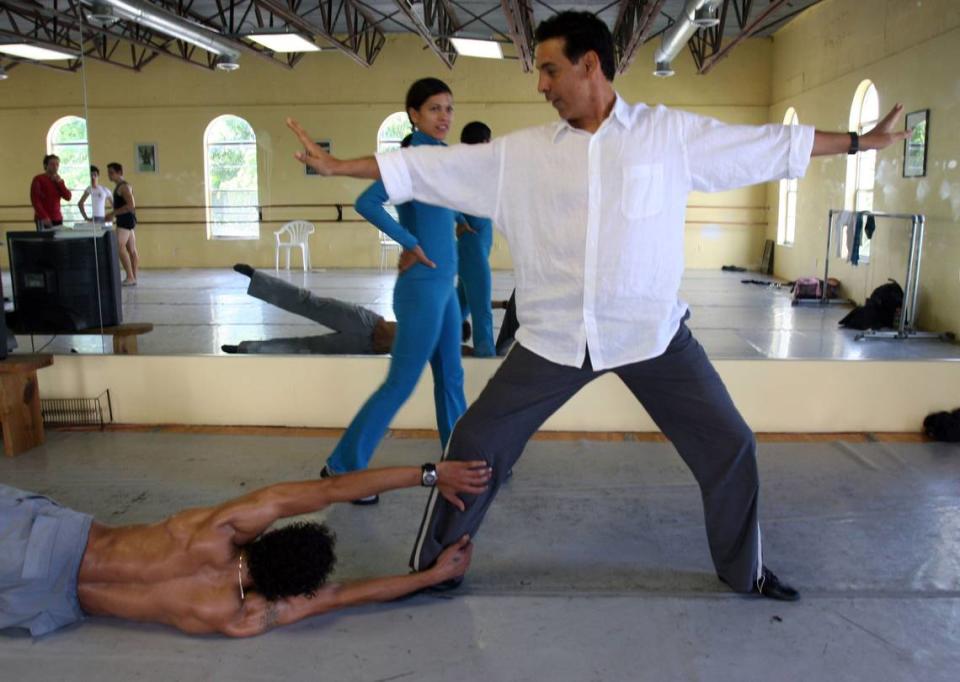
<point>20,417</point>
<point>124,335</point>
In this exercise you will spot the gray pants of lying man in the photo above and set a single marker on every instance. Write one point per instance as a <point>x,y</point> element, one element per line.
<point>353,325</point>
<point>684,396</point>
<point>41,547</point>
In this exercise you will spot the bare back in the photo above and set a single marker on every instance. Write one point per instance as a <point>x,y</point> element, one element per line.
<point>182,571</point>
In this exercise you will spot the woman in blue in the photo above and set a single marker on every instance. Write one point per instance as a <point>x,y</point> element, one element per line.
<point>474,241</point>
<point>424,299</point>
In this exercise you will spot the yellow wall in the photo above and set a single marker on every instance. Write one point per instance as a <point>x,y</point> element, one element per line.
<point>171,103</point>
<point>911,51</point>
<point>217,390</point>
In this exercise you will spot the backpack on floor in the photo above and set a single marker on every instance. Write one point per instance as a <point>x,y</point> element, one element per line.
<point>806,288</point>
<point>879,310</point>
<point>943,426</point>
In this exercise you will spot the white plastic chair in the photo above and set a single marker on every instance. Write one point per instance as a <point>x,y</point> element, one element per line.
<point>299,232</point>
<point>386,245</point>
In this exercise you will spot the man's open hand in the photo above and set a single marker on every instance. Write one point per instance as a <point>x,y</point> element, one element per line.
<point>886,132</point>
<point>454,478</point>
<point>313,154</point>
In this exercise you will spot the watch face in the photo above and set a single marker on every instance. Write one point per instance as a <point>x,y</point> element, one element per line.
<point>429,477</point>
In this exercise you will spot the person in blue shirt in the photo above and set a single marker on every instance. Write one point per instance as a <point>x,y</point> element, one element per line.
<point>474,241</point>
<point>424,299</point>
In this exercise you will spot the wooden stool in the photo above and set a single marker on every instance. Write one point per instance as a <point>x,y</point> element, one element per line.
<point>124,335</point>
<point>20,416</point>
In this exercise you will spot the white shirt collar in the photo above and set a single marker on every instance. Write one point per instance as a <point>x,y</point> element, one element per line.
<point>620,112</point>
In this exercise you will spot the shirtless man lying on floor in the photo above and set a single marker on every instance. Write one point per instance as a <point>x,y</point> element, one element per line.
<point>215,569</point>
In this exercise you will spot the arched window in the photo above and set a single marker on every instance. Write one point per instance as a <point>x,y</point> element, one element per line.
<point>67,139</point>
<point>230,174</point>
<point>787,220</point>
<point>861,168</point>
<point>394,128</point>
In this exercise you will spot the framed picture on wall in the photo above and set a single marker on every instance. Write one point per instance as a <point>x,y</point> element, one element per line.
<point>915,146</point>
<point>146,157</point>
<point>326,147</point>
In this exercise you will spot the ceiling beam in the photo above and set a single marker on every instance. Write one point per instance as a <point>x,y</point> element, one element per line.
<point>633,26</point>
<point>426,17</point>
<point>519,15</point>
<point>748,28</point>
<point>363,33</point>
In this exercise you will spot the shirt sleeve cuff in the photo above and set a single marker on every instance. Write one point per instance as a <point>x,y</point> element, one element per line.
<point>395,176</point>
<point>801,146</point>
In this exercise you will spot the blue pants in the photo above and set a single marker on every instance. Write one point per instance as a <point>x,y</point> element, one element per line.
<point>41,548</point>
<point>474,291</point>
<point>428,330</point>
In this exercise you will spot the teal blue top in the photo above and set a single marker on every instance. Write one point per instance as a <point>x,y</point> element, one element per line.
<point>430,227</point>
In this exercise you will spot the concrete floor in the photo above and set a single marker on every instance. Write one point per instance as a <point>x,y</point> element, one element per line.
<point>197,311</point>
<point>592,565</point>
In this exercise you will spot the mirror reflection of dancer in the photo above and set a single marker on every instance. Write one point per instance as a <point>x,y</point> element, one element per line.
<point>46,191</point>
<point>356,330</point>
<point>593,209</point>
<point>124,216</point>
<point>474,241</point>
<point>424,299</point>
<point>215,569</point>
<point>99,196</point>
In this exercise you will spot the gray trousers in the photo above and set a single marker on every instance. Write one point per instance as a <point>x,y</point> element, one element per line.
<point>683,394</point>
<point>353,325</point>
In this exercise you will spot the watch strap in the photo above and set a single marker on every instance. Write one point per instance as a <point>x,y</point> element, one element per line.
<point>854,143</point>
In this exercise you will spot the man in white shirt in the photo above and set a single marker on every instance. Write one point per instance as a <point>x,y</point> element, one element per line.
<point>593,210</point>
<point>99,196</point>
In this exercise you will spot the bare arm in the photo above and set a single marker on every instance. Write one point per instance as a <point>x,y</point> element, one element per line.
<point>83,198</point>
<point>259,615</point>
<point>252,514</point>
<point>882,136</point>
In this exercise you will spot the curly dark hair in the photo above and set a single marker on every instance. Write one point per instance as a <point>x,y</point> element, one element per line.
<point>582,32</point>
<point>291,561</point>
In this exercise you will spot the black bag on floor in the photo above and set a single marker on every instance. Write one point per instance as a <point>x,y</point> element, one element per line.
<point>943,426</point>
<point>879,310</point>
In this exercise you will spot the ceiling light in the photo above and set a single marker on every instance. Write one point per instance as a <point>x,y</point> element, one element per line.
<point>706,17</point>
<point>284,42</point>
<point>470,47</point>
<point>3,74</point>
<point>101,15</point>
<point>227,64</point>
<point>35,53</point>
<point>663,70</point>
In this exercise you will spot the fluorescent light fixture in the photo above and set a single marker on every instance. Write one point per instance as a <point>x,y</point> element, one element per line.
<point>284,42</point>
<point>38,54</point>
<point>470,47</point>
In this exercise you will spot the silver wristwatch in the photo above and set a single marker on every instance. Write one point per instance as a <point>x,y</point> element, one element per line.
<point>428,475</point>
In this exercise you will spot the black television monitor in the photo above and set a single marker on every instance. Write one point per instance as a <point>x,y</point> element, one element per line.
<point>65,280</point>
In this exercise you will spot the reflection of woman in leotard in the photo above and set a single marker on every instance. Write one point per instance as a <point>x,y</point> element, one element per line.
<point>124,214</point>
<point>424,298</point>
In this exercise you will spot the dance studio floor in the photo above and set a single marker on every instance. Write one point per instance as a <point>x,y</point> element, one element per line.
<point>197,311</point>
<point>592,565</point>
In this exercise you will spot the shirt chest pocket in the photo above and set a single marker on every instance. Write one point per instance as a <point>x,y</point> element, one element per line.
<point>642,190</point>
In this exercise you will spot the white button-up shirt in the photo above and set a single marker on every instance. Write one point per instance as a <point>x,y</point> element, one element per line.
<point>595,222</point>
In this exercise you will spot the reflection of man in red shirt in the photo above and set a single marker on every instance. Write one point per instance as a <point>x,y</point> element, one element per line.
<point>46,190</point>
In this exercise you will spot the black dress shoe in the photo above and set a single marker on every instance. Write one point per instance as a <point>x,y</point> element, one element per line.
<point>363,501</point>
<point>466,331</point>
<point>230,348</point>
<point>771,587</point>
<point>244,269</point>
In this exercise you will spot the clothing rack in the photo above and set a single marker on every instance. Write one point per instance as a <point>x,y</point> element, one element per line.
<point>906,325</point>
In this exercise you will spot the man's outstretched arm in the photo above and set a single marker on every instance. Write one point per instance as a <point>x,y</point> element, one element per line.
<point>252,514</point>
<point>259,615</point>
<point>881,136</point>
<point>365,168</point>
